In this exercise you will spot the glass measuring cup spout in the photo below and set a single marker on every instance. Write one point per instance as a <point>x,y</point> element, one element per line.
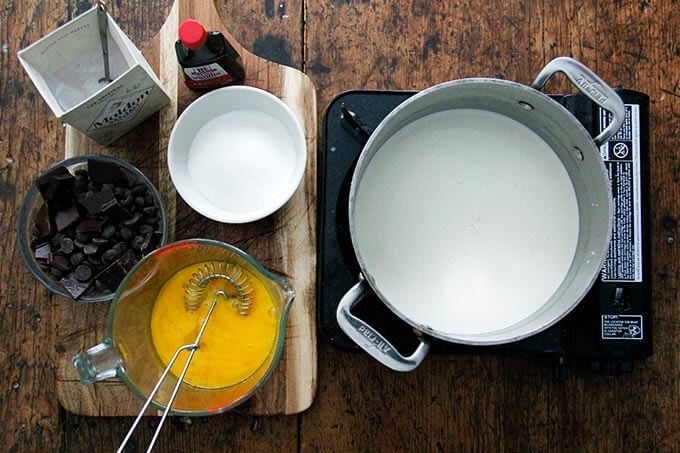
<point>128,352</point>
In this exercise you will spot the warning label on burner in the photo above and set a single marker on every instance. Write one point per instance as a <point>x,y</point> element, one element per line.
<point>621,327</point>
<point>621,155</point>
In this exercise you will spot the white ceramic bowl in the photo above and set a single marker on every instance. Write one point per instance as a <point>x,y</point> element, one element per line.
<point>237,154</point>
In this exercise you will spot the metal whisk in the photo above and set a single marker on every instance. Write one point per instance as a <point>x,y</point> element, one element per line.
<point>194,292</point>
<point>196,286</point>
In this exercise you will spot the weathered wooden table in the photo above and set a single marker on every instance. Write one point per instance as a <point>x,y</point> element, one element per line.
<point>449,403</point>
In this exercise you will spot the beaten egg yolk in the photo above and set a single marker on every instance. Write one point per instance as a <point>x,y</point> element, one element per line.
<point>233,346</point>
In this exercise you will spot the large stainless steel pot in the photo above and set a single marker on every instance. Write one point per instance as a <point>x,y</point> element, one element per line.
<point>397,271</point>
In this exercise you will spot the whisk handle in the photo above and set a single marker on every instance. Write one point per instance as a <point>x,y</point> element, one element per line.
<point>369,339</point>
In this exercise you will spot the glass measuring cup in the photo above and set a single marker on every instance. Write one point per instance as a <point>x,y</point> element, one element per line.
<point>128,351</point>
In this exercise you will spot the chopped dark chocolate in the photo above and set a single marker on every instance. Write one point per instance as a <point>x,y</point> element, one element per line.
<point>139,189</point>
<point>148,200</point>
<point>90,225</point>
<point>42,252</point>
<point>129,259</point>
<point>133,221</point>
<point>121,247</point>
<point>146,228</point>
<point>139,201</point>
<point>110,255</point>
<point>66,245</point>
<point>80,245</point>
<point>108,231</point>
<point>59,262</point>
<point>96,203</point>
<point>55,184</point>
<point>83,273</point>
<point>83,237</point>
<point>56,273</point>
<point>137,242</point>
<point>152,220</point>
<point>125,234</point>
<point>150,210</point>
<point>90,249</point>
<point>104,172</point>
<point>115,212</point>
<point>100,241</point>
<point>77,258</point>
<point>74,287</point>
<point>112,275</point>
<point>146,245</point>
<point>42,222</point>
<point>66,217</point>
<point>56,239</point>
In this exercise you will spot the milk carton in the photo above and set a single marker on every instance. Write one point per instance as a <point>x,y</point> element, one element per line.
<point>67,68</point>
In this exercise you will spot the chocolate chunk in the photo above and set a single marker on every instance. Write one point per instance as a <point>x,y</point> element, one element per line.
<point>112,275</point>
<point>56,184</point>
<point>152,220</point>
<point>90,225</point>
<point>147,244</point>
<point>146,228</point>
<point>120,247</point>
<point>108,232</point>
<point>100,241</point>
<point>56,239</point>
<point>108,186</point>
<point>133,221</point>
<point>92,187</point>
<point>83,273</point>
<point>83,237</point>
<point>118,192</point>
<point>78,244</point>
<point>137,242</point>
<point>139,201</point>
<point>110,255</point>
<point>115,212</point>
<point>99,285</point>
<point>97,203</point>
<point>66,245</point>
<point>128,201</point>
<point>66,217</point>
<point>77,258</point>
<point>59,262</point>
<point>42,252</point>
<point>125,234</point>
<point>42,222</point>
<point>129,259</point>
<point>74,287</point>
<point>139,189</point>
<point>148,200</point>
<point>80,183</point>
<point>104,172</point>
<point>150,210</point>
<point>56,273</point>
<point>81,172</point>
<point>90,249</point>
<point>95,261</point>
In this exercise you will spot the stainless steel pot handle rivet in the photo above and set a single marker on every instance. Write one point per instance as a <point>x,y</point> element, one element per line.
<point>592,86</point>
<point>369,339</point>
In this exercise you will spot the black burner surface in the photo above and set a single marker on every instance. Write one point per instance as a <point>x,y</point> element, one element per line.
<point>612,325</point>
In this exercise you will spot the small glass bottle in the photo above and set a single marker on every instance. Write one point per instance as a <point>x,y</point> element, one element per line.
<point>207,59</point>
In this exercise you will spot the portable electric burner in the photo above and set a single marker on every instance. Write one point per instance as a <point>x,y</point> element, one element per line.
<point>611,328</point>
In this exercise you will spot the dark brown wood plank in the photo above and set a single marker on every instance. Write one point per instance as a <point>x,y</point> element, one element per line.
<point>492,403</point>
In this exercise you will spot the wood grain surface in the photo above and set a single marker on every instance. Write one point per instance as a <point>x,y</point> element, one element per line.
<point>450,403</point>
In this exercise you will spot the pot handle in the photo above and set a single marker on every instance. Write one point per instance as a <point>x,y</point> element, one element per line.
<point>592,86</point>
<point>369,339</point>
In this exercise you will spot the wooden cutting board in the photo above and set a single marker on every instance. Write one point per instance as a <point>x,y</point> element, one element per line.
<point>285,242</point>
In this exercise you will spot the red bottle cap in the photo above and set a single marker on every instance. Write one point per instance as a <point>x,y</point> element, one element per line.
<point>192,34</point>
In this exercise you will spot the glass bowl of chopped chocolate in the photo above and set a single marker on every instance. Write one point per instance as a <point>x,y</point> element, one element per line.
<point>86,222</point>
